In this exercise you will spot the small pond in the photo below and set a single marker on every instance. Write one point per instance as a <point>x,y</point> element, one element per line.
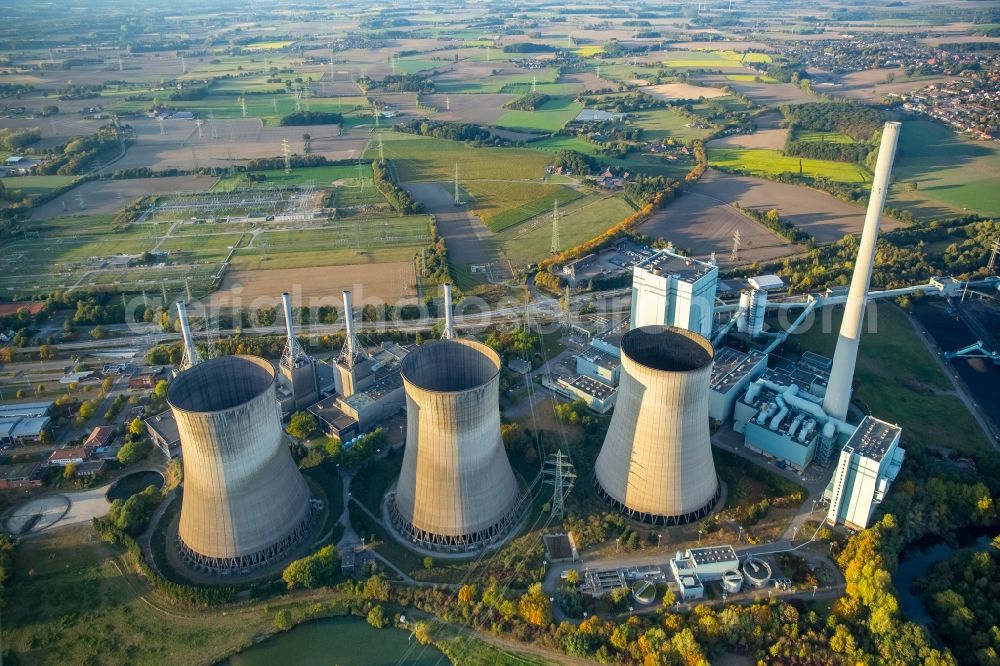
<point>915,562</point>
<point>340,641</point>
<point>131,484</point>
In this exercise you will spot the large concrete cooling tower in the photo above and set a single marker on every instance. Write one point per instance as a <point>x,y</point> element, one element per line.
<point>245,504</point>
<point>456,488</point>
<point>656,462</point>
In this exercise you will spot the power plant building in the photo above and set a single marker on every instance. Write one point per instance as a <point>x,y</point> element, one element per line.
<point>456,489</point>
<point>245,504</point>
<point>379,395</point>
<point>672,290</point>
<point>656,461</point>
<point>869,463</point>
<point>732,372</point>
<point>781,415</point>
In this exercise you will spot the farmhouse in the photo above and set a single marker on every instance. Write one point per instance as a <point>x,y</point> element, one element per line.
<point>17,165</point>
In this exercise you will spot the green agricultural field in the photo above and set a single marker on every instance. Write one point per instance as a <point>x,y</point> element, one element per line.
<point>653,165</point>
<point>712,59</point>
<point>816,136</point>
<point>666,124</point>
<point>246,84</point>
<point>321,177</point>
<point>550,117</point>
<point>339,242</point>
<point>355,193</point>
<point>581,220</point>
<point>759,162</point>
<point>34,186</point>
<point>553,89</point>
<point>953,175</point>
<point>501,205</point>
<point>751,78</point>
<point>418,158</point>
<point>269,108</point>
<point>510,79</point>
<point>898,380</point>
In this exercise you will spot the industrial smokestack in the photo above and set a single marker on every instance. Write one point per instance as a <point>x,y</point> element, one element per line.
<point>245,503</point>
<point>348,316</point>
<point>449,316</point>
<point>656,461</point>
<point>352,348</point>
<point>286,305</point>
<point>190,357</point>
<point>838,390</point>
<point>456,487</point>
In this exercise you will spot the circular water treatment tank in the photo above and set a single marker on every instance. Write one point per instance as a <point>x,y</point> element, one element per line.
<point>756,572</point>
<point>644,592</point>
<point>732,581</point>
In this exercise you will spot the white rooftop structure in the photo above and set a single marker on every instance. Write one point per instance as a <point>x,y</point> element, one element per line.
<point>766,282</point>
<point>869,463</point>
<point>669,289</point>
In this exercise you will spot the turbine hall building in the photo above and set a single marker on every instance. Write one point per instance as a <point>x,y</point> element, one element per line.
<point>456,489</point>
<point>656,462</point>
<point>245,504</point>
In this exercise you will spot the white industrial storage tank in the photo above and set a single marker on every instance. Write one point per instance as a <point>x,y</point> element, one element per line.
<point>656,462</point>
<point>456,489</point>
<point>245,504</point>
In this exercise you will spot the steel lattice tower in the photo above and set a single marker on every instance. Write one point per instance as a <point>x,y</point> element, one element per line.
<point>559,473</point>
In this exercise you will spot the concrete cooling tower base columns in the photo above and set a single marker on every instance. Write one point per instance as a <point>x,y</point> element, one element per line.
<point>656,519</point>
<point>261,558</point>
<point>433,541</point>
<point>456,489</point>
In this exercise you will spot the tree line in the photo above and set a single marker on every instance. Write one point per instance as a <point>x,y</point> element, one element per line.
<point>397,197</point>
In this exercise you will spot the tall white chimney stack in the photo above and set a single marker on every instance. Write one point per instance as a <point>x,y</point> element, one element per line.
<point>286,305</point>
<point>838,390</point>
<point>449,317</point>
<point>190,357</point>
<point>348,317</point>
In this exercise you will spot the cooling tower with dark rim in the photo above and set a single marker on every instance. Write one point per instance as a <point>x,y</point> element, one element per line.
<point>656,462</point>
<point>245,504</point>
<point>456,489</point>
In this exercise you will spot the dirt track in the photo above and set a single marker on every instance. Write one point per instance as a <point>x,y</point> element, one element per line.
<point>383,283</point>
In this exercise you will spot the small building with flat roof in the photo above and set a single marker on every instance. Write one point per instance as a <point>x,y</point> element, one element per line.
<point>766,282</point>
<point>599,396</point>
<point>162,429</point>
<point>686,575</point>
<point>711,562</point>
